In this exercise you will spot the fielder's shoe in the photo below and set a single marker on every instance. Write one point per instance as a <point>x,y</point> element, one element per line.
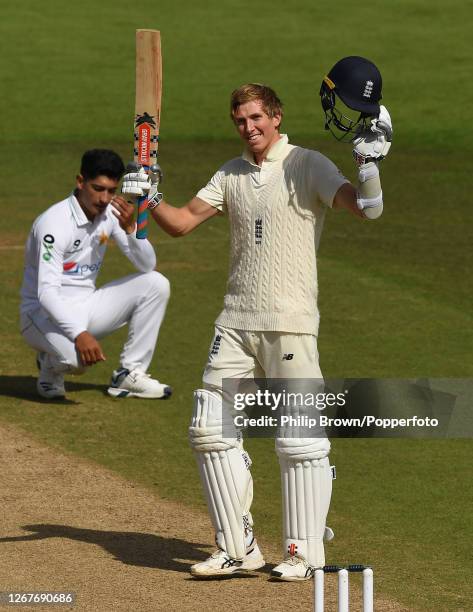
<point>220,564</point>
<point>50,384</point>
<point>293,569</point>
<point>136,383</point>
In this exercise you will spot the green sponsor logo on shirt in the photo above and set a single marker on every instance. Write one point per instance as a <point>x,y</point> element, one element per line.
<point>48,242</point>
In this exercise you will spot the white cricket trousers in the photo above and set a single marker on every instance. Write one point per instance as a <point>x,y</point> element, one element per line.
<point>138,300</point>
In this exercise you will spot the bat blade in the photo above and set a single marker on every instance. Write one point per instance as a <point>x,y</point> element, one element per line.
<point>147,110</point>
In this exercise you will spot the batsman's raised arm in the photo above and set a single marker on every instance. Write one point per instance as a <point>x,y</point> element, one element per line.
<point>353,85</point>
<point>181,221</point>
<point>176,221</point>
<point>346,198</point>
<point>371,146</point>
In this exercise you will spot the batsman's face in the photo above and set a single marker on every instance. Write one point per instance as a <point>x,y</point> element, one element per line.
<point>256,128</point>
<point>94,195</point>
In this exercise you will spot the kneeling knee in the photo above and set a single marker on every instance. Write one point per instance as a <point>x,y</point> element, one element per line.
<point>160,284</point>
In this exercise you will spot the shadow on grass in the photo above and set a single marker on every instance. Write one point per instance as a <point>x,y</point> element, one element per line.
<point>131,548</point>
<point>24,387</point>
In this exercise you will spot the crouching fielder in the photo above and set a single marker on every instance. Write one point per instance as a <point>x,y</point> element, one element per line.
<point>276,196</point>
<point>63,314</point>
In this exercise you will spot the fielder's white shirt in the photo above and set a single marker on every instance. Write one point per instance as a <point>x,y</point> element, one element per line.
<point>276,214</point>
<point>63,256</point>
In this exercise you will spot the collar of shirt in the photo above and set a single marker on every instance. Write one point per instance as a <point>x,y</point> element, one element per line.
<point>77,212</point>
<point>279,150</point>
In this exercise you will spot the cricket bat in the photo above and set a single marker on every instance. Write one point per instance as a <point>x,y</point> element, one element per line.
<point>147,111</point>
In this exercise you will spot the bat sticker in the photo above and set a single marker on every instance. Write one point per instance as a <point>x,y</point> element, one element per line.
<point>145,118</point>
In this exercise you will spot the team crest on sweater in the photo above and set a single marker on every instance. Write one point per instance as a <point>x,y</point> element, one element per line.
<point>258,231</point>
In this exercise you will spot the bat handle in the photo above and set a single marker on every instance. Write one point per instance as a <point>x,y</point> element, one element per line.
<point>142,219</point>
<point>133,166</point>
<point>142,206</point>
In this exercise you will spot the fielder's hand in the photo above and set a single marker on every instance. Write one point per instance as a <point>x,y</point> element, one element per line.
<point>89,350</point>
<point>124,212</point>
<point>140,183</point>
<point>374,143</point>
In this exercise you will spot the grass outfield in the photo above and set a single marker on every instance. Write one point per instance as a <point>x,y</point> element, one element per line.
<point>72,75</point>
<point>393,499</point>
<point>395,294</point>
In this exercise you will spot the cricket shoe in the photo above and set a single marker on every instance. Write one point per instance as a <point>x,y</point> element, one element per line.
<point>221,564</point>
<point>50,384</point>
<point>293,569</point>
<point>136,383</point>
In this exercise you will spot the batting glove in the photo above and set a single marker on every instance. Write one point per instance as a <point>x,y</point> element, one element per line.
<point>141,183</point>
<point>136,183</point>
<point>374,143</point>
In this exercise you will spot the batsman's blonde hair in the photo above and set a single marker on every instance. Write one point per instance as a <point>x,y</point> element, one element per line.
<point>250,92</point>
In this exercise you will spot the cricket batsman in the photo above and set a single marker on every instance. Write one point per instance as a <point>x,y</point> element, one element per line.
<point>63,314</point>
<point>276,196</point>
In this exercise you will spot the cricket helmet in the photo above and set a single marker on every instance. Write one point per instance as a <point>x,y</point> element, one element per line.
<point>357,83</point>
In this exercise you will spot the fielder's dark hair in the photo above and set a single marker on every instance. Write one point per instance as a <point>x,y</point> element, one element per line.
<point>250,92</point>
<point>96,162</point>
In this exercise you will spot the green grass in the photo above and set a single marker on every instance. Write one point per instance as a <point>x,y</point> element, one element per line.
<point>392,303</point>
<point>395,294</point>
<point>71,76</point>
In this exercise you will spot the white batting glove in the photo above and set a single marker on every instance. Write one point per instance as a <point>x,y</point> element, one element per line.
<point>374,143</point>
<point>136,183</point>
<point>140,183</point>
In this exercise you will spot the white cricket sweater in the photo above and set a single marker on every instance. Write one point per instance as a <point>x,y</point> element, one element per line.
<point>64,253</point>
<point>276,215</point>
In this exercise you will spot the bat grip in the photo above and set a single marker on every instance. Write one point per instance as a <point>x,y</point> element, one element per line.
<point>142,216</point>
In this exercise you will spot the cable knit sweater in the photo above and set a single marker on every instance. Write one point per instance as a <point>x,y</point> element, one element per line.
<point>276,215</point>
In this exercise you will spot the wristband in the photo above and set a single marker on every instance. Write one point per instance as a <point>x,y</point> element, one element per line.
<point>156,201</point>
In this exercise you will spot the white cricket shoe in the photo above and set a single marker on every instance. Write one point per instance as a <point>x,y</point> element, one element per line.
<point>136,383</point>
<point>293,569</point>
<point>220,564</point>
<point>50,384</point>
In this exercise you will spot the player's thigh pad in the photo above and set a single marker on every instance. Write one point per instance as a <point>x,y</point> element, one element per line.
<point>289,355</point>
<point>224,470</point>
<point>230,357</point>
<point>306,482</point>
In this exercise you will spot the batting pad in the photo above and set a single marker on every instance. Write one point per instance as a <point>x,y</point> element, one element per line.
<point>224,469</point>
<point>306,491</point>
